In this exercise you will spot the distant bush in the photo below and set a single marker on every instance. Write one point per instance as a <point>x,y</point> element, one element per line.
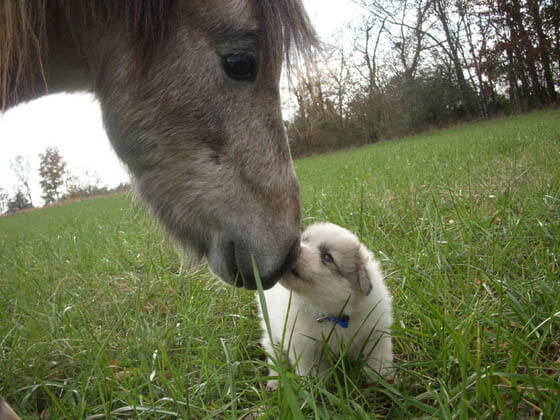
<point>83,192</point>
<point>19,202</point>
<point>402,107</point>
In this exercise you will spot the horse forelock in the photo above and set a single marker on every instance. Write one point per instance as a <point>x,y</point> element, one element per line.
<point>23,31</point>
<point>286,25</point>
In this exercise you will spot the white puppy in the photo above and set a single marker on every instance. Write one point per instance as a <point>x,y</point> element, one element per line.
<point>338,294</point>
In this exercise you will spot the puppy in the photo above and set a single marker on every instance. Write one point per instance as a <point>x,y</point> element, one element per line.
<point>6,412</point>
<point>337,295</point>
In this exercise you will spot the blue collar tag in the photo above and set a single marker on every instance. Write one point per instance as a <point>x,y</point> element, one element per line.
<point>341,321</point>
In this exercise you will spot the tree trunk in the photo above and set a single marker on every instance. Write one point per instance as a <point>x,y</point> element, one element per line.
<point>515,94</point>
<point>483,99</point>
<point>453,54</point>
<point>556,25</point>
<point>529,56</point>
<point>543,49</point>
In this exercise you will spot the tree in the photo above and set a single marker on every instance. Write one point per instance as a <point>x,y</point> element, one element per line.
<point>89,186</point>
<point>21,168</point>
<point>19,202</point>
<point>543,48</point>
<point>405,24</point>
<point>523,51</point>
<point>367,47</point>
<point>416,64</point>
<point>453,30</point>
<point>52,169</point>
<point>3,200</point>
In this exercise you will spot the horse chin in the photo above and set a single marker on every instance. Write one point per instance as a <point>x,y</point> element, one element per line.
<point>221,260</point>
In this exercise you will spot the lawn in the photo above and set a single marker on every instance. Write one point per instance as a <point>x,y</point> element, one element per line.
<point>98,318</point>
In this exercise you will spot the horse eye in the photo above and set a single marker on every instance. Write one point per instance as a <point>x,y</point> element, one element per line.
<point>328,257</point>
<point>241,66</point>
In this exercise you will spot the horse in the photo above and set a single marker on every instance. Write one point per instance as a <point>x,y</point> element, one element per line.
<point>189,93</point>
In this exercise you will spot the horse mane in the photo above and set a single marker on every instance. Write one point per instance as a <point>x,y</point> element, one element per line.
<point>23,31</point>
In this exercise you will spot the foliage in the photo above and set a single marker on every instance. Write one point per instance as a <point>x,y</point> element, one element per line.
<point>81,191</point>
<point>421,64</point>
<point>19,202</point>
<point>99,319</point>
<point>52,170</point>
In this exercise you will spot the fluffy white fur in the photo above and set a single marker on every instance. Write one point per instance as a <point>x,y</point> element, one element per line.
<point>335,274</point>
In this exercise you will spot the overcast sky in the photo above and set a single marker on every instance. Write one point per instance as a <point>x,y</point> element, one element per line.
<point>72,122</point>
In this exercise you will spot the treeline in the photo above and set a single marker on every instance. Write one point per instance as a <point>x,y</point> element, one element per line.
<point>84,191</point>
<point>57,183</point>
<point>417,64</point>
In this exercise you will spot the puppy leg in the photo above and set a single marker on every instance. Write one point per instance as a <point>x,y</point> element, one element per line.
<point>6,412</point>
<point>380,357</point>
<point>271,384</point>
<point>308,357</point>
<point>304,366</point>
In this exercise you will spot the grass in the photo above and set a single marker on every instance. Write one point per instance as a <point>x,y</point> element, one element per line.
<point>97,320</point>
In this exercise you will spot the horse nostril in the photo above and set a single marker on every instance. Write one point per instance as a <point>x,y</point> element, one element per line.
<point>270,269</point>
<point>293,254</point>
<point>289,261</point>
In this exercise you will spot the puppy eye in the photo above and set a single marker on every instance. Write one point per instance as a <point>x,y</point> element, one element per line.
<point>328,258</point>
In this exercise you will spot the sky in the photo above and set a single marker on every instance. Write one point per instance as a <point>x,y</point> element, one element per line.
<point>72,122</point>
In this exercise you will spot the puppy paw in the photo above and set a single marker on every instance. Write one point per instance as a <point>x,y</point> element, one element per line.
<point>271,385</point>
<point>389,376</point>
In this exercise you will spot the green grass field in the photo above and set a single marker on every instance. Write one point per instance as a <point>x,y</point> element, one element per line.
<point>97,319</point>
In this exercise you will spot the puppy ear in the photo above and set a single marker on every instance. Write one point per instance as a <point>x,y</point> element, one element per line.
<point>364,281</point>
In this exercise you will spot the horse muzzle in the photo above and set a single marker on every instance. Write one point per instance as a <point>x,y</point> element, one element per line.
<point>238,264</point>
